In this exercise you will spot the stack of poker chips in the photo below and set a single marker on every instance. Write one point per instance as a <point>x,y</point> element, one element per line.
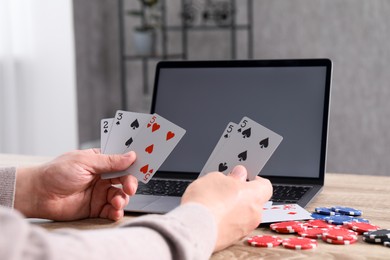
<point>335,225</point>
<point>381,236</point>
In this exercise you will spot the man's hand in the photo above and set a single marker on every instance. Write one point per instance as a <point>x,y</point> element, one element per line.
<point>70,187</point>
<point>236,204</point>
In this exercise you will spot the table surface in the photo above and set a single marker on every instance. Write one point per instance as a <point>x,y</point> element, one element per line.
<point>371,194</point>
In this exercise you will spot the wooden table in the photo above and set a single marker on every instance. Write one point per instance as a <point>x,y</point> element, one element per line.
<point>371,194</point>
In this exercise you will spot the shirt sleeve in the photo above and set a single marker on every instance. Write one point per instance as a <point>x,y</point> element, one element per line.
<point>7,186</point>
<point>188,232</point>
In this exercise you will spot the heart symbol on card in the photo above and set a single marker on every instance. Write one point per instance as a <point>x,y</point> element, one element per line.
<point>149,124</point>
<point>155,127</point>
<point>264,143</point>
<point>149,149</point>
<point>151,171</point>
<point>144,169</point>
<point>170,135</point>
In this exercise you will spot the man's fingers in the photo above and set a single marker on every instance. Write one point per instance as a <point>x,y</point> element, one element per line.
<point>239,172</point>
<point>117,198</point>
<point>129,184</point>
<point>263,187</point>
<point>113,163</point>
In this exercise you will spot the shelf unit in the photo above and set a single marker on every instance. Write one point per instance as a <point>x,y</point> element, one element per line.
<point>185,30</point>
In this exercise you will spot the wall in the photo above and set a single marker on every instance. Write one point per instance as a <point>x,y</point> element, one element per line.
<point>38,109</point>
<point>353,33</point>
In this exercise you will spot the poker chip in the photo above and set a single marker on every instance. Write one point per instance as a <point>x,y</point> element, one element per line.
<point>362,227</point>
<point>347,211</point>
<point>386,243</point>
<point>340,233</point>
<point>264,241</point>
<point>287,227</point>
<point>338,242</point>
<point>313,232</point>
<point>360,220</point>
<point>339,219</point>
<point>299,243</point>
<point>325,211</point>
<point>318,216</point>
<point>377,236</point>
<point>318,223</point>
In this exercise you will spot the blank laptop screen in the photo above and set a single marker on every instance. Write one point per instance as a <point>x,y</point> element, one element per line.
<point>287,100</point>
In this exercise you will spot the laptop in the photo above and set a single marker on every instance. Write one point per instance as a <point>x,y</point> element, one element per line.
<point>290,97</point>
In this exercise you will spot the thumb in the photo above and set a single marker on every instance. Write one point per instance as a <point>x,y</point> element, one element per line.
<point>106,163</point>
<point>239,172</point>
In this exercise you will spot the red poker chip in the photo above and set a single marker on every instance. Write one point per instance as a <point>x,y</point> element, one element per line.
<point>362,227</point>
<point>338,242</point>
<point>264,241</point>
<point>340,234</point>
<point>319,223</point>
<point>286,225</point>
<point>299,243</point>
<point>313,232</point>
<point>285,231</point>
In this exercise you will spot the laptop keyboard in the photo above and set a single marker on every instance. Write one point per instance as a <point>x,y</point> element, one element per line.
<point>176,188</point>
<point>288,193</point>
<point>173,188</point>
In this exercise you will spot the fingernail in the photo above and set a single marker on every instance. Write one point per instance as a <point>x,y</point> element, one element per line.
<point>129,154</point>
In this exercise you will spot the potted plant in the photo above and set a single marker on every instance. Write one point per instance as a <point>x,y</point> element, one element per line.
<point>144,35</point>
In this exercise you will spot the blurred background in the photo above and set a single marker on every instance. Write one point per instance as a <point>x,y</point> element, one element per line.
<point>64,65</point>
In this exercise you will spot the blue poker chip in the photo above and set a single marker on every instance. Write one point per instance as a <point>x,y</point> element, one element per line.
<point>325,211</point>
<point>347,211</point>
<point>360,220</point>
<point>318,216</point>
<point>338,219</point>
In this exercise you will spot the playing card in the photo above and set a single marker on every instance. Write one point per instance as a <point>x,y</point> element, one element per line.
<point>250,145</point>
<point>286,212</point>
<point>222,141</point>
<point>105,127</point>
<point>153,144</point>
<point>125,127</point>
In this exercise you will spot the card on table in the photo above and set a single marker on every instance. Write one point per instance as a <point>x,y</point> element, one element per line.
<point>125,127</point>
<point>105,127</point>
<point>250,145</point>
<point>286,212</point>
<point>222,141</point>
<point>153,144</point>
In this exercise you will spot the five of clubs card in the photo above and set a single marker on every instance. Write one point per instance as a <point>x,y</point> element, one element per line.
<point>247,143</point>
<point>152,137</point>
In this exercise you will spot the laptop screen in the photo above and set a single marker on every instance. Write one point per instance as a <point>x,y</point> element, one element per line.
<point>289,97</point>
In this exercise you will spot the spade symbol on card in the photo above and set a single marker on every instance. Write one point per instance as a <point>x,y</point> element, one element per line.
<point>105,131</point>
<point>135,124</point>
<point>129,142</point>
<point>226,136</point>
<point>246,133</point>
<point>222,167</point>
<point>264,143</point>
<point>242,156</point>
<point>118,123</point>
